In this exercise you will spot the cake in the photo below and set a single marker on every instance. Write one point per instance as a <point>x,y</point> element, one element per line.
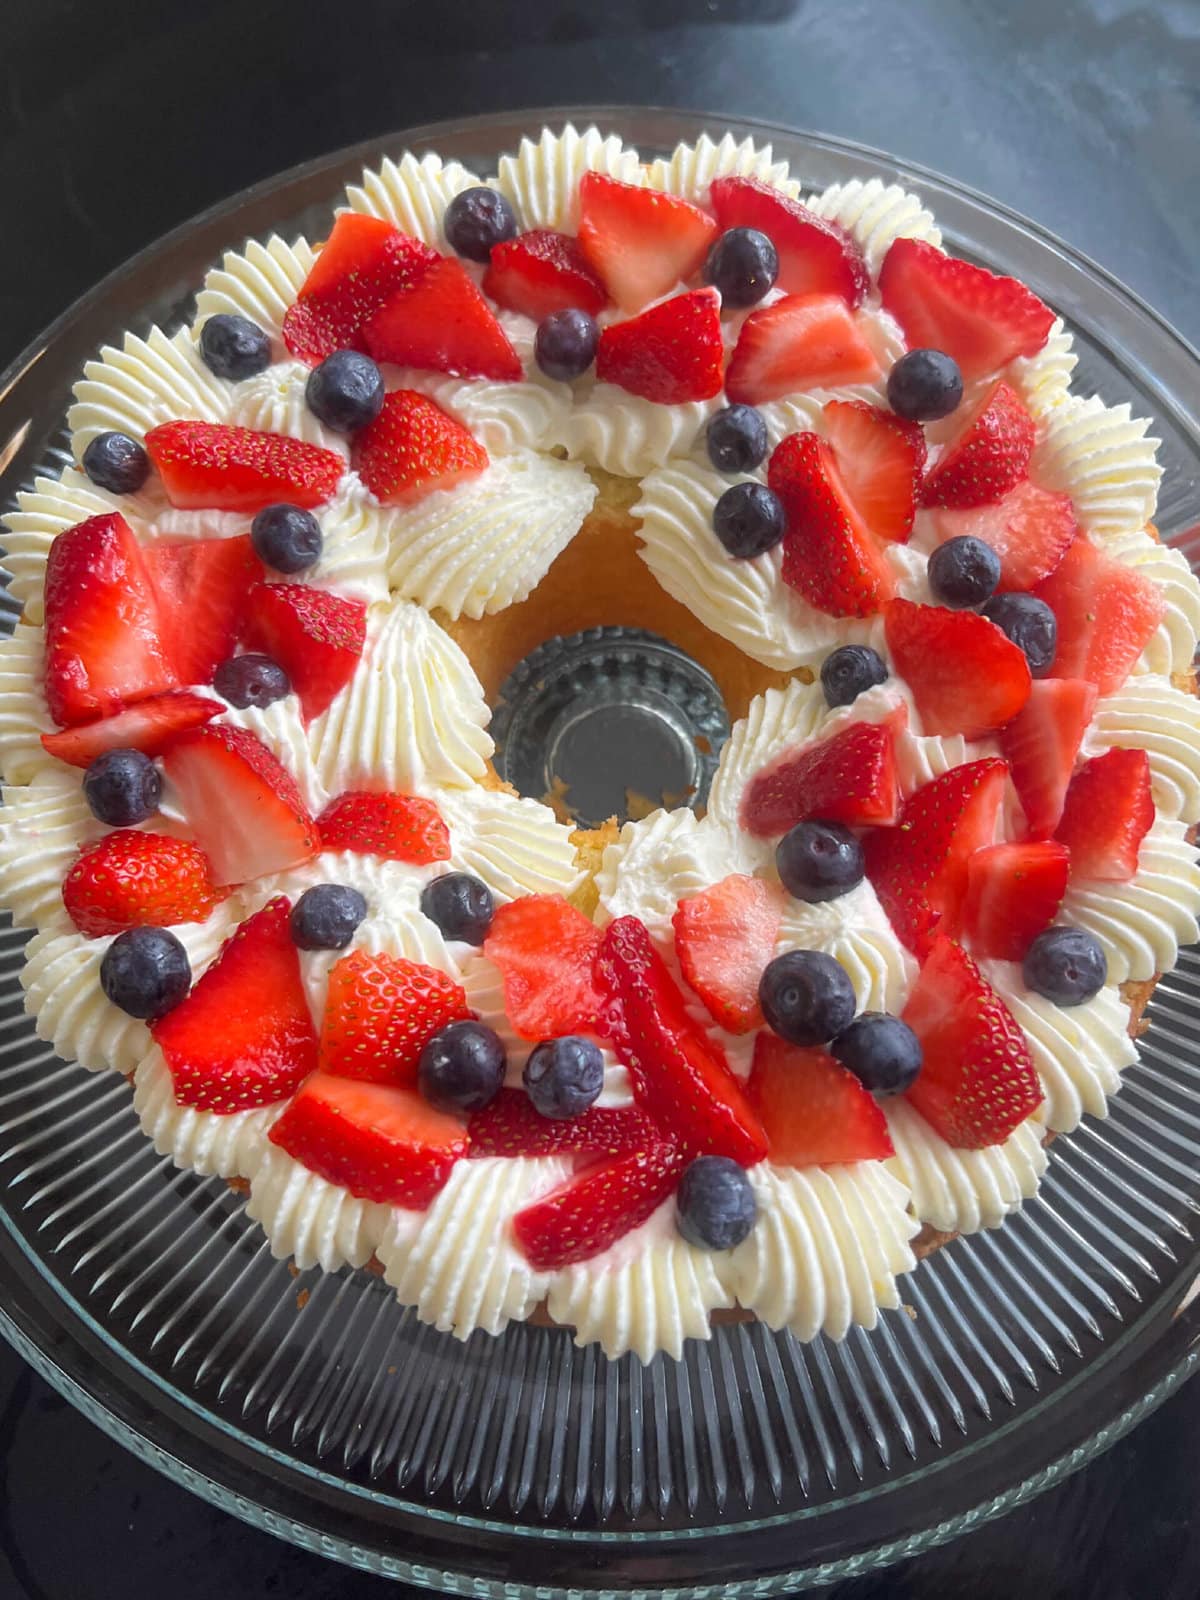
<point>751,1057</point>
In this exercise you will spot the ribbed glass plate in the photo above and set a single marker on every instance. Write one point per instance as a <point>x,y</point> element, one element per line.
<point>318,1408</point>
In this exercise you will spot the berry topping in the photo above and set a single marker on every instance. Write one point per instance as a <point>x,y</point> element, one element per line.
<point>849,671</point>
<point>543,272</point>
<point>724,937</point>
<point>1041,743</point>
<point>476,221</point>
<point>819,861</point>
<point>742,266</point>
<point>251,680</point>
<point>1013,892</point>
<point>597,1207</point>
<point>736,439</point>
<point>671,353</point>
<point>563,1077</point>
<point>214,466</point>
<point>564,346</point>
<point>203,591</point>
<point>462,1066</point>
<point>815,256</point>
<point>414,447</point>
<point>148,726</point>
<point>715,1199</point>
<point>879,459</point>
<point>399,827</point>
<point>815,1111</point>
<point>1107,813</point>
<point>924,385</point>
<point>131,879</point>
<point>325,916</point>
<point>966,676</point>
<point>145,972</point>
<point>234,347</point>
<point>882,1052</point>
<point>380,1013</point>
<point>315,636</point>
<point>1066,965</point>
<point>1030,624</point>
<point>804,341</point>
<point>1030,530</point>
<point>115,462</point>
<point>748,520</point>
<point>963,572</point>
<point>443,324</point>
<point>1107,613</point>
<point>988,456</point>
<point>544,949</point>
<point>511,1125</point>
<point>806,997</point>
<point>364,262</point>
<point>640,241</point>
<point>345,392</point>
<point>849,777</point>
<point>122,787</point>
<point>286,538</point>
<point>460,906</point>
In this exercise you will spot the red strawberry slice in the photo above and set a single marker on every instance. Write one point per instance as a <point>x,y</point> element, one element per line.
<point>984,321</point>
<point>829,556</point>
<point>244,1036</point>
<point>242,805</point>
<point>1108,812</point>
<point>1041,744</point>
<point>202,588</point>
<point>671,353</point>
<point>214,466</point>
<point>443,324</point>
<point>1013,893</point>
<point>380,1012</point>
<point>977,1083</point>
<point>919,867</point>
<point>724,937</point>
<point>400,827</point>
<point>814,1110</point>
<point>316,637</point>
<point>593,1210</point>
<point>815,256</point>
<point>544,949</point>
<point>414,447</point>
<point>511,1126</point>
<point>1107,614</point>
<point>104,636</point>
<point>542,272</point>
<point>131,879</point>
<point>804,341</point>
<point>679,1074</point>
<point>363,262</point>
<point>641,242</point>
<point>381,1143</point>
<point>1030,530</point>
<point>988,456</point>
<point>966,676</point>
<point>880,458</point>
<point>148,726</point>
<point>849,777</point>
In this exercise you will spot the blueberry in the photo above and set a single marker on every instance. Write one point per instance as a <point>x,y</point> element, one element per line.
<point>963,572</point>
<point>461,905</point>
<point>325,916</point>
<point>564,1076</point>
<point>924,385</point>
<point>115,462</point>
<point>716,1204</point>
<point>743,265</point>
<point>748,519</point>
<point>1066,965</point>
<point>286,538</point>
<point>564,346</point>
<point>1029,623</point>
<point>345,392</point>
<point>882,1052</point>
<point>234,347</point>
<point>251,680</point>
<point>122,787</point>
<point>819,861</point>
<point>146,972</point>
<point>737,439</point>
<point>476,221</point>
<point>462,1067</point>
<point>806,997</point>
<point>849,671</point>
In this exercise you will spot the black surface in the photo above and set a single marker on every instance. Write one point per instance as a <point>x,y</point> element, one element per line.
<point>120,119</point>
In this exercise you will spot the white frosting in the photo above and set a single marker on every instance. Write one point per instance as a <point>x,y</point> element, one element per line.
<point>542,179</point>
<point>1044,380</point>
<point>145,382</point>
<point>1174,643</point>
<point>1102,457</point>
<point>273,401</point>
<point>691,168</point>
<point>962,1191</point>
<point>260,283</point>
<point>23,714</point>
<point>662,859</point>
<point>504,416</point>
<point>354,547</point>
<point>317,1224</point>
<point>280,728</point>
<point>876,214</point>
<point>213,1145</point>
<point>516,846</point>
<point>777,720</point>
<point>41,829</point>
<point>625,434</point>
<point>854,930</point>
<point>412,194</point>
<point>1148,713</point>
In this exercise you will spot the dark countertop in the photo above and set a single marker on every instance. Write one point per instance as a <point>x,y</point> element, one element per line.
<point>118,121</point>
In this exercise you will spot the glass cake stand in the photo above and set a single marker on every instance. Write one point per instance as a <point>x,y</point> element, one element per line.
<point>318,1408</point>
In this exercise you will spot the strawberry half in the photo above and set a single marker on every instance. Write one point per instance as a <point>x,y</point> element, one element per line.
<point>380,1012</point>
<point>511,1126</point>
<point>966,676</point>
<point>242,805</point>
<point>984,321</point>
<point>850,777</point>
<point>724,937</point>
<point>130,879</point>
<point>1013,893</point>
<point>1041,744</point>
<point>988,456</point>
<point>399,827</point>
<point>244,1036</point>
<point>1107,614</point>
<point>593,1210</point>
<point>544,949</point>
<point>805,341</point>
<point>542,272</point>
<point>640,241</point>
<point>215,466</point>
<point>443,324</point>
<point>316,637</point>
<point>815,256</point>
<point>1108,811</point>
<point>1030,530</point>
<point>202,587</point>
<point>414,447</point>
<point>815,1111</point>
<point>672,353</point>
<point>977,1083</point>
<point>880,458</point>
<point>148,726</point>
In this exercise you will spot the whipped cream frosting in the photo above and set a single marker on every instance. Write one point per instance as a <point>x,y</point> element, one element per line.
<point>855,932</point>
<point>23,714</point>
<point>962,1191</point>
<point>690,168</point>
<point>1044,380</point>
<point>1103,457</point>
<point>1148,713</point>
<point>42,826</point>
<point>412,194</point>
<point>145,382</point>
<point>215,1146</point>
<point>1173,646</point>
<point>876,214</point>
<point>260,282</point>
<point>542,178</point>
<point>317,1224</point>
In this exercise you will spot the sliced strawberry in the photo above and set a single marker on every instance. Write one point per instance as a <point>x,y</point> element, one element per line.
<point>815,1111</point>
<point>1041,743</point>
<point>443,324</point>
<point>679,1074</point>
<point>1030,530</point>
<point>880,458</point>
<point>1013,893</point>
<point>541,272</point>
<point>640,241</point>
<point>363,262</point>
<point>316,637</point>
<point>671,353</point>
<point>544,949</point>
<point>724,937</point>
<point>1108,812</point>
<point>215,466</point>
<point>244,1036</point>
<point>805,341</point>
<point>815,256</point>
<point>104,637</point>
<point>966,676</point>
<point>982,320</point>
<point>977,1083</point>
<point>400,827</point>
<point>988,456</point>
<point>242,805</point>
<point>593,1210</point>
<point>202,587</point>
<point>414,447</point>
<point>380,1012</point>
<point>511,1126</point>
<point>130,879</point>
<point>1107,614</point>
<point>148,726</point>
<point>919,867</point>
<point>850,777</point>
<point>381,1143</point>
<point>829,557</point>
